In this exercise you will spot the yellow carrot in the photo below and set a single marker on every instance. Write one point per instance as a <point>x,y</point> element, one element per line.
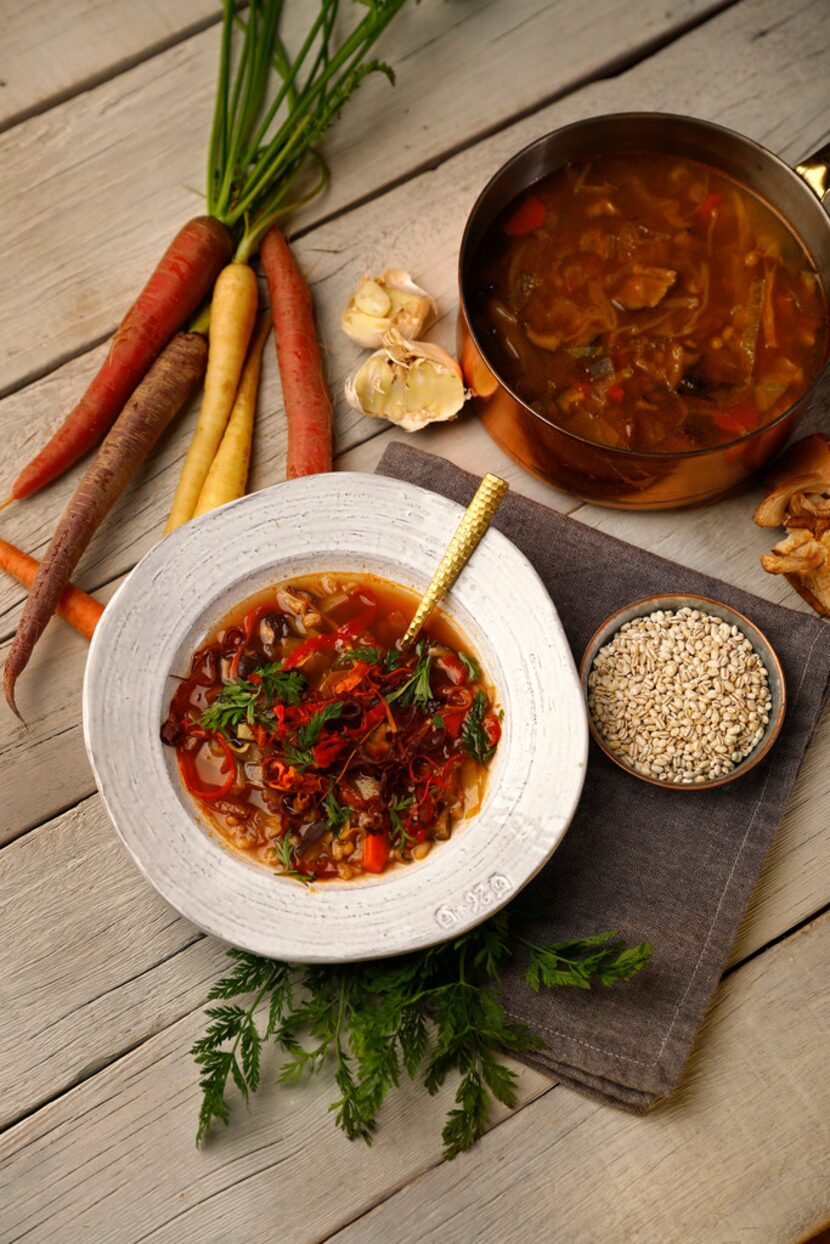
<point>232,314</point>
<point>228,475</point>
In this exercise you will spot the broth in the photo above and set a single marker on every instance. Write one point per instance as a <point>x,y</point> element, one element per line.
<point>650,303</point>
<point>312,743</point>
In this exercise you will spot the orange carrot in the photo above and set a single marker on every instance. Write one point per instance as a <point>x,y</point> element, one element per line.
<point>181,281</point>
<point>304,394</point>
<point>170,382</point>
<point>74,606</point>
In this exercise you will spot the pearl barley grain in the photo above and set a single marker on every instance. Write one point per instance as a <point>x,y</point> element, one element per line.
<point>680,697</point>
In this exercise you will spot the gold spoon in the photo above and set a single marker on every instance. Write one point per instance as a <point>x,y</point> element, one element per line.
<point>489,496</point>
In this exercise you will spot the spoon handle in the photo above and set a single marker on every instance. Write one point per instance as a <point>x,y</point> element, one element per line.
<point>489,496</point>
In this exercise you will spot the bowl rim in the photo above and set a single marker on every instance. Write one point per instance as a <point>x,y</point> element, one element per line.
<point>774,725</point>
<point>162,834</point>
<point>633,118</point>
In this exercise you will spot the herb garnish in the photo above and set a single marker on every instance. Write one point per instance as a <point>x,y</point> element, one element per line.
<point>400,838</point>
<point>369,1020</point>
<point>248,700</point>
<point>471,665</point>
<point>473,737</point>
<point>372,655</point>
<point>416,689</point>
<point>300,753</point>
<point>367,653</point>
<point>283,849</point>
<point>337,814</point>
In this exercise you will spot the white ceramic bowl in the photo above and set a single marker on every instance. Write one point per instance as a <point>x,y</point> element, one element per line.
<point>333,522</point>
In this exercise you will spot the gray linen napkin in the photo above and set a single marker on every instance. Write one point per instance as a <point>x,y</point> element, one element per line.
<point>675,870</point>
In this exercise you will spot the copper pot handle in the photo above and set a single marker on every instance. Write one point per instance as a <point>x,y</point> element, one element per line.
<point>815,169</point>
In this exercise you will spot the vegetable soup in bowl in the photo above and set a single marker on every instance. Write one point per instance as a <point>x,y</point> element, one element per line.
<point>283,772</point>
<point>644,308</point>
<point>315,744</point>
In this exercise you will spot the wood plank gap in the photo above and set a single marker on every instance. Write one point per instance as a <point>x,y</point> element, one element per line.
<point>40,373</point>
<point>439,1161</point>
<point>101,1064</point>
<point>774,941</point>
<point>126,63</point>
<point>53,816</point>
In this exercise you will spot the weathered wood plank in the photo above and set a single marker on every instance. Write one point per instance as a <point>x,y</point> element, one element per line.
<point>741,1153</point>
<point>76,986</point>
<point>54,49</point>
<point>125,161</point>
<point>113,1159</point>
<point>44,769</point>
<point>78,1160</point>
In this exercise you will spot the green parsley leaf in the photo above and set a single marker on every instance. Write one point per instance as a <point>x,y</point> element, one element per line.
<point>400,837</point>
<point>431,1013</point>
<point>471,665</point>
<point>416,689</point>
<point>366,652</point>
<point>578,964</point>
<point>300,753</point>
<point>247,701</point>
<point>473,738</point>
<point>337,814</point>
<point>283,850</point>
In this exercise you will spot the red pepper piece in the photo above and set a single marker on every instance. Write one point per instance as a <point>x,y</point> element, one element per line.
<point>529,215</point>
<point>616,393</point>
<point>187,768</point>
<point>314,643</point>
<point>324,643</point>
<point>452,722</point>
<point>328,750</point>
<point>375,853</point>
<point>708,206</point>
<point>492,729</point>
<point>452,667</point>
<point>737,420</point>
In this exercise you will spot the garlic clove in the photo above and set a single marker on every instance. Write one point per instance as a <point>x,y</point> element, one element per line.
<point>371,298</point>
<point>410,383</point>
<point>391,300</point>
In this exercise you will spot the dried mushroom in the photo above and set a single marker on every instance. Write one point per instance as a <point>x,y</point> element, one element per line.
<point>798,498</point>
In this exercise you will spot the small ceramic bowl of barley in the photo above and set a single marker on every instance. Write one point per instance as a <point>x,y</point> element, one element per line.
<point>683,691</point>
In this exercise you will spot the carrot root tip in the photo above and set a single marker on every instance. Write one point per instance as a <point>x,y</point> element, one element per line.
<point>10,700</point>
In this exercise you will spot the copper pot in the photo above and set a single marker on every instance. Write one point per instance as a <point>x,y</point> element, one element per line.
<point>616,477</point>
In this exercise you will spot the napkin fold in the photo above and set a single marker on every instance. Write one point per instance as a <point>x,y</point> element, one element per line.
<point>670,868</point>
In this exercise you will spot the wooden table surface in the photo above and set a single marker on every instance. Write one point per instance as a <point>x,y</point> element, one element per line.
<point>104,110</point>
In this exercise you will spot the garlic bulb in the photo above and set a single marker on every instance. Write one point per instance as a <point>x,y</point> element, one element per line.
<point>410,383</point>
<point>391,300</point>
